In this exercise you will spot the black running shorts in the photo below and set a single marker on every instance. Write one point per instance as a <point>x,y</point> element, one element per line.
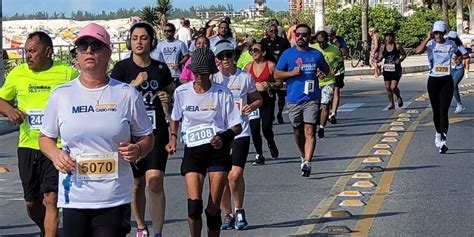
<point>240,150</point>
<point>204,158</point>
<point>339,81</point>
<point>158,157</point>
<point>104,222</point>
<point>37,174</point>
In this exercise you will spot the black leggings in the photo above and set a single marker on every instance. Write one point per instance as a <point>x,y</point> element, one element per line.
<point>105,222</point>
<point>440,90</point>
<point>266,116</point>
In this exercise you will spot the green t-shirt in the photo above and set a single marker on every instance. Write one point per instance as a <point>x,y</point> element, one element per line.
<point>32,90</point>
<point>244,60</point>
<point>334,58</point>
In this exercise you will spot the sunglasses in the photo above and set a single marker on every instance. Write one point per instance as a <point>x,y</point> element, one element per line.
<point>95,46</point>
<point>227,54</point>
<point>170,31</point>
<point>273,31</point>
<point>301,34</point>
<point>438,33</point>
<point>255,50</point>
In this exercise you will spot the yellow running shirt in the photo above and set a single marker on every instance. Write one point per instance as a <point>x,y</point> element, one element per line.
<point>333,58</point>
<point>31,91</point>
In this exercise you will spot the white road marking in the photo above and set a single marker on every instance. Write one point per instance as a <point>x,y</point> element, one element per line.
<point>349,107</point>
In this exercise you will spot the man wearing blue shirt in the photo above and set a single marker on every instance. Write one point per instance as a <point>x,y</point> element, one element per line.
<point>300,68</point>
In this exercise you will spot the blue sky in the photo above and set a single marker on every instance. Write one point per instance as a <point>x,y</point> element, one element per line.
<point>10,7</point>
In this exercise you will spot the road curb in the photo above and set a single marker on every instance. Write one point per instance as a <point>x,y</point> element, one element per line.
<point>370,71</point>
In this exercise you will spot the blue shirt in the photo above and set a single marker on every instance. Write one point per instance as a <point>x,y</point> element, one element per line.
<point>310,60</point>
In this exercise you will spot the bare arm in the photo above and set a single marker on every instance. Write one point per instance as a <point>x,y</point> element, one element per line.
<point>14,114</point>
<point>255,103</point>
<point>166,99</point>
<point>184,60</point>
<point>282,75</point>
<point>403,54</point>
<point>171,146</point>
<point>62,161</point>
<point>422,47</point>
<point>278,83</point>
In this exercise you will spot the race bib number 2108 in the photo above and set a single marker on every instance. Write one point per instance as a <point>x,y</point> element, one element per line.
<point>200,135</point>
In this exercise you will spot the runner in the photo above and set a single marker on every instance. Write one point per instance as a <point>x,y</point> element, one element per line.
<point>339,42</point>
<point>393,55</point>
<point>247,99</point>
<point>171,51</point>
<point>291,32</point>
<point>440,82</point>
<point>281,31</point>
<point>210,121</point>
<point>298,66</point>
<point>223,34</point>
<point>326,84</point>
<point>184,33</point>
<point>186,75</point>
<point>467,39</point>
<point>277,45</point>
<point>266,85</point>
<point>154,82</point>
<point>374,49</point>
<point>30,85</point>
<point>95,177</point>
<point>457,70</point>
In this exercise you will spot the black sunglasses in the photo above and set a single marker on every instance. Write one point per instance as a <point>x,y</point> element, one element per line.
<point>273,30</point>
<point>438,33</point>
<point>254,50</point>
<point>169,31</point>
<point>223,55</point>
<point>95,46</point>
<point>301,34</point>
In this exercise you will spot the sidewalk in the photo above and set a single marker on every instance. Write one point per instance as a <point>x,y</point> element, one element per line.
<point>412,64</point>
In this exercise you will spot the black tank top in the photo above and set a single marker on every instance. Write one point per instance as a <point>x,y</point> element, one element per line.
<point>391,56</point>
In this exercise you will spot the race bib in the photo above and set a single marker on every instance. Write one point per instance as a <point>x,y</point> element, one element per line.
<point>92,166</point>
<point>389,67</point>
<point>200,135</point>
<point>308,86</point>
<point>152,117</point>
<point>254,115</point>
<point>35,118</point>
<point>238,102</point>
<point>442,69</point>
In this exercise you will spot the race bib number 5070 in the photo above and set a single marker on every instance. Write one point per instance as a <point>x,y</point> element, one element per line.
<point>92,166</point>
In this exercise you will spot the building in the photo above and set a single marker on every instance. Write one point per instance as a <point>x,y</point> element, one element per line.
<point>260,5</point>
<point>296,6</point>
<point>402,5</point>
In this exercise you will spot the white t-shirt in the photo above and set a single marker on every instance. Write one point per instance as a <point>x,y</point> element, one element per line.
<point>216,107</point>
<point>170,53</point>
<point>466,40</point>
<point>439,57</point>
<point>95,121</point>
<point>240,84</point>
<point>184,34</point>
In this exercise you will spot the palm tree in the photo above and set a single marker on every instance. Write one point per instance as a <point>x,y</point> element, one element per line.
<point>164,9</point>
<point>149,15</point>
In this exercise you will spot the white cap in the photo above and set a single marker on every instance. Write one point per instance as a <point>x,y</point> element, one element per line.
<point>452,34</point>
<point>439,26</point>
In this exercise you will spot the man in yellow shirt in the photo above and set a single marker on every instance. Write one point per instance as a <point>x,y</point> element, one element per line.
<point>334,58</point>
<point>30,84</point>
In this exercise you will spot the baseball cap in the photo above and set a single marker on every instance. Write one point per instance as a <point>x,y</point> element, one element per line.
<point>223,45</point>
<point>95,31</point>
<point>439,26</point>
<point>452,34</point>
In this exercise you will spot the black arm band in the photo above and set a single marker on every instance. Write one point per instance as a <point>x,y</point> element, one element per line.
<point>227,136</point>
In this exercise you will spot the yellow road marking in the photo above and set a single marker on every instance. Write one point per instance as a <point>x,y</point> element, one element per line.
<point>350,194</point>
<point>337,213</point>
<point>363,226</point>
<point>451,121</point>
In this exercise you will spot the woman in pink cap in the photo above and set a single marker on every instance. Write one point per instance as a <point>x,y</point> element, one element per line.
<point>103,127</point>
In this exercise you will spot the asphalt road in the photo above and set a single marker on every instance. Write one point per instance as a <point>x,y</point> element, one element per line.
<point>421,193</point>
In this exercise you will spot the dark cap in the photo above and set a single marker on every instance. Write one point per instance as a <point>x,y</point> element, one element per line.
<point>203,62</point>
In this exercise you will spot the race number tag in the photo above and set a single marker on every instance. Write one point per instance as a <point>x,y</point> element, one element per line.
<point>199,135</point>
<point>92,166</point>
<point>389,67</point>
<point>238,102</point>
<point>35,118</point>
<point>152,117</point>
<point>442,69</point>
<point>308,86</point>
<point>254,115</point>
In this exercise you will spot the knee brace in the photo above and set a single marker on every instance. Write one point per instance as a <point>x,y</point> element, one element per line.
<point>214,222</point>
<point>195,209</point>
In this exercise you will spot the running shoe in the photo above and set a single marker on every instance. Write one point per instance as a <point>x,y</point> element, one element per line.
<point>400,102</point>
<point>228,222</point>
<point>280,119</point>
<point>438,140</point>
<point>332,119</point>
<point>143,232</point>
<point>443,148</point>
<point>459,109</point>
<point>321,132</point>
<point>390,106</point>
<point>273,150</point>
<point>240,220</point>
<point>259,160</point>
<point>305,169</point>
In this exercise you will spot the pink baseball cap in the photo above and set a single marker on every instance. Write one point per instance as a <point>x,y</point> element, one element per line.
<point>95,31</point>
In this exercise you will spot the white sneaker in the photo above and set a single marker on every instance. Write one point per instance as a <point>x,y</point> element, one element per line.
<point>438,141</point>
<point>443,148</point>
<point>459,109</point>
<point>466,75</point>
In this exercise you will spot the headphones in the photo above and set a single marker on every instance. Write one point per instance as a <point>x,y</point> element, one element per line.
<point>148,28</point>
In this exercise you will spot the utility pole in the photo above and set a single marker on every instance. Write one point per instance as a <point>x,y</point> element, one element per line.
<point>459,20</point>
<point>364,23</point>
<point>318,14</point>
<point>2,64</point>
